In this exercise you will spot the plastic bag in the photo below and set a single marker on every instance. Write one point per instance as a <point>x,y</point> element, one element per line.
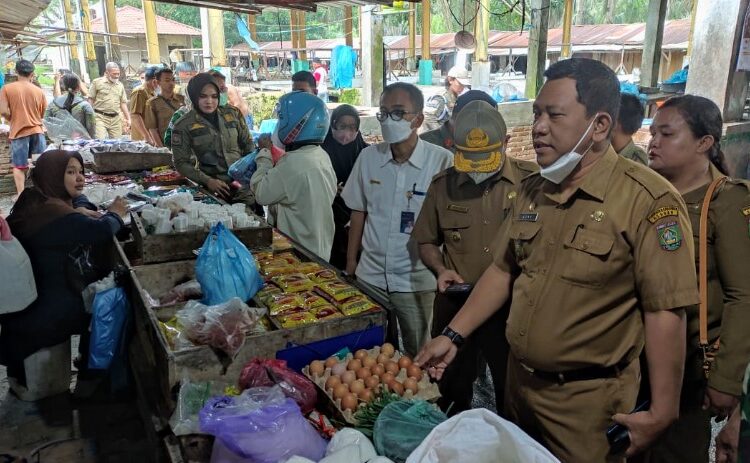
<point>243,169</point>
<point>185,291</point>
<point>270,372</point>
<point>349,446</point>
<point>17,284</point>
<point>403,425</point>
<point>63,126</point>
<point>225,268</point>
<point>221,326</point>
<point>270,433</point>
<point>110,312</point>
<point>479,436</point>
<point>190,400</point>
<point>90,291</point>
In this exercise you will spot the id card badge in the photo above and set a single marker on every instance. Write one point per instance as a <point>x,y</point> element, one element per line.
<point>407,222</point>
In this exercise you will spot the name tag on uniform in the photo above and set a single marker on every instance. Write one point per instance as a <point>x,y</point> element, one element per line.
<point>528,217</point>
<point>374,182</point>
<point>457,208</point>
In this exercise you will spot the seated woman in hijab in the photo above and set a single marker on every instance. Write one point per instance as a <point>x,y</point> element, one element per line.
<point>50,229</point>
<point>343,145</point>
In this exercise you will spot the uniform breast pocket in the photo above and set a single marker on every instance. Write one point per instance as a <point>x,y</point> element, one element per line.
<point>522,235</point>
<point>455,228</point>
<point>585,257</point>
<point>205,150</point>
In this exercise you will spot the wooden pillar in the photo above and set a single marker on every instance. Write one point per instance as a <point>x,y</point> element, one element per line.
<point>425,64</point>
<point>348,26</point>
<point>537,56</point>
<point>75,61</point>
<point>481,67</point>
<point>293,28</point>
<point>152,37</point>
<point>692,29</point>
<point>372,55</point>
<point>412,55</point>
<point>651,59</point>
<point>216,37</point>
<point>302,35</point>
<point>114,40</point>
<point>567,26</point>
<point>92,67</point>
<point>252,27</point>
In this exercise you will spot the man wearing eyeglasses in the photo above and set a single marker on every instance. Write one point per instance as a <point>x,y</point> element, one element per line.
<point>385,191</point>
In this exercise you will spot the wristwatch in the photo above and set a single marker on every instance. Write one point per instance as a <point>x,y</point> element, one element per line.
<point>455,338</point>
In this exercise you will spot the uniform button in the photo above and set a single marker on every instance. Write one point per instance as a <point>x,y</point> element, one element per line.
<point>551,242</point>
<point>486,222</point>
<point>585,245</point>
<point>544,271</point>
<point>486,249</point>
<point>522,333</point>
<point>486,192</point>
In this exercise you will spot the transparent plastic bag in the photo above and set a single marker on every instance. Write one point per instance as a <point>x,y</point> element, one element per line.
<point>183,292</point>
<point>63,126</point>
<point>243,169</point>
<point>270,372</point>
<point>190,400</point>
<point>403,425</point>
<point>222,326</point>
<point>259,426</point>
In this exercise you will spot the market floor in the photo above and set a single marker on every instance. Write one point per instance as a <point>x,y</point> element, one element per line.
<point>63,429</point>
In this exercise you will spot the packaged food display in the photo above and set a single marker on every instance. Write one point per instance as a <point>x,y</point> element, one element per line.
<point>296,319</point>
<point>326,312</point>
<point>283,302</point>
<point>356,305</point>
<point>338,290</point>
<point>322,275</point>
<point>293,283</point>
<point>265,294</point>
<point>313,300</point>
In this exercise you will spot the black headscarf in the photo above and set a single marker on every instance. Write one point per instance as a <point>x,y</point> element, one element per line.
<point>343,156</point>
<point>194,88</point>
<point>48,199</point>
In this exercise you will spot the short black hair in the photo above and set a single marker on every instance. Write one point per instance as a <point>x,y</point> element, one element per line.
<point>630,116</point>
<point>597,85</point>
<point>151,71</point>
<point>304,76</point>
<point>415,94</point>
<point>162,71</point>
<point>24,67</point>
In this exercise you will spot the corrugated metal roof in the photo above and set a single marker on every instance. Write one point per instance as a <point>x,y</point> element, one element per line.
<point>130,20</point>
<point>14,18</point>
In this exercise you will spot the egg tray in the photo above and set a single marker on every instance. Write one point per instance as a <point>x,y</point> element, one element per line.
<point>428,390</point>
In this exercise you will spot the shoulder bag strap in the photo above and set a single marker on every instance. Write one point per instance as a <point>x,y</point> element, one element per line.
<point>703,265</point>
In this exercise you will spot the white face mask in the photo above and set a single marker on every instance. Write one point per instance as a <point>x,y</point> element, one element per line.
<point>157,91</point>
<point>565,164</point>
<point>395,131</point>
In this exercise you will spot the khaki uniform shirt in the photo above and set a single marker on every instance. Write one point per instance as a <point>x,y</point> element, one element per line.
<point>728,284</point>
<point>138,98</point>
<point>634,153</point>
<point>440,137</point>
<point>107,96</point>
<point>159,111</point>
<point>465,217</point>
<point>201,151</point>
<point>585,268</point>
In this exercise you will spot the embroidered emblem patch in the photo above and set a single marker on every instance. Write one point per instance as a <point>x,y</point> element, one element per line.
<point>374,182</point>
<point>477,138</point>
<point>512,195</point>
<point>597,216</point>
<point>746,211</point>
<point>670,236</point>
<point>176,139</point>
<point>663,212</point>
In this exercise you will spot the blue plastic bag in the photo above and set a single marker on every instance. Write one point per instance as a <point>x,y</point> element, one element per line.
<point>110,312</point>
<point>243,169</point>
<point>226,269</point>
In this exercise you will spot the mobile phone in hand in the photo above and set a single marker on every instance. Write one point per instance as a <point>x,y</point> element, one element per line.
<point>459,288</point>
<point>618,435</point>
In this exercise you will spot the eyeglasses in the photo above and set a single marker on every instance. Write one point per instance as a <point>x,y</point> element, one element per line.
<point>396,115</point>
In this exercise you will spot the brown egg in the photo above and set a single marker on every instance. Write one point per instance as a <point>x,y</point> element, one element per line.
<point>356,386</point>
<point>396,387</point>
<point>410,384</point>
<point>354,365</point>
<point>360,354</point>
<point>348,377</point>
<point>332,382</point>
<point>413,371</point>
<point>369,362</point>
<point>387,377</point>
<point>382,359</point>
<point>387,349</point>
<point>349,402</point>
<point>372,382</point>
<point>338,369</point>
<point>366,395</point>
<point>364,373</point>
<point>340,391</point>
<point>404,362</point>
<point>378,370</point>
<point>392,367</point>
<point>331,361</point>
<point>317,368</point>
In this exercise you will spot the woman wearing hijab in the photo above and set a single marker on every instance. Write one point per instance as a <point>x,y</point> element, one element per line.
<point>343,145</point>
<point>209,138</point>
<point>72,102</point>
<point>50,229</point>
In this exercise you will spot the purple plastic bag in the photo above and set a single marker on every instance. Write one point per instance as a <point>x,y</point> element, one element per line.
<point>274,432</point>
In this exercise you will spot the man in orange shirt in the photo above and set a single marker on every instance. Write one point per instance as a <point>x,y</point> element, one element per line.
<point>23,104</point>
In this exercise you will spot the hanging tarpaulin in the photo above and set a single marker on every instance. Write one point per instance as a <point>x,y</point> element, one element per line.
<point>244,32</point>
<point>343,62</point>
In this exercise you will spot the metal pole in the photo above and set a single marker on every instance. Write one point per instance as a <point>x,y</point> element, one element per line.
<point>152,38</point>
<point>567,26</point>
<point>92,66</point>
<point>216,33</point>
<point>75,62</point>
<point>114,40</point>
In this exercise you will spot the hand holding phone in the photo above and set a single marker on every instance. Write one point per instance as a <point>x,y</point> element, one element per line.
<point>618,435</point>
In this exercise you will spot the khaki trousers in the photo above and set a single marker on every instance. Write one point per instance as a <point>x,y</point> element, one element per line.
<point>108,127</point>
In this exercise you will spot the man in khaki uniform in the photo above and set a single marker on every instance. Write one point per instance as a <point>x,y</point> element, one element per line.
<point>107,96</point>
<point>597,258</point>
<point>463,211</point>
<point>629,120</point>
<point>138,98</point>
<point>443,135</point>
<point>161,108</point>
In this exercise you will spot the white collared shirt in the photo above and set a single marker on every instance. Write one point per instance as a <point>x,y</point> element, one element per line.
<point>384,189</point>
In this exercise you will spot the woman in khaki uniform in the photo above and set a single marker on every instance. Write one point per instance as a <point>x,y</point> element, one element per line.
<point>685,149</point>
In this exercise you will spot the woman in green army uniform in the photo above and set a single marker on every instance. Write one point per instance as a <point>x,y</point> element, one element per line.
<point>209,138</point>
<point>684,148</point>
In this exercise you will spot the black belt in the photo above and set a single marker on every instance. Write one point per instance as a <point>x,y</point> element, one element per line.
<point>582,374</point>
<point>106,114</point>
